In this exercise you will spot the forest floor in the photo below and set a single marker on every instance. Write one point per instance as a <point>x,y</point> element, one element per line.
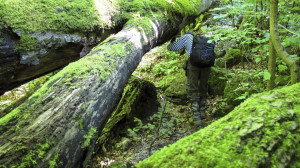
<point>149,136</point>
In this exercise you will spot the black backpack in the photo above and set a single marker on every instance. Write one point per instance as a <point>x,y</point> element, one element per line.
<point>203,54</point>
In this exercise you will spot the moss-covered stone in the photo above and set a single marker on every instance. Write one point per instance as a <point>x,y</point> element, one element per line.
<point>261,132</point>
<point>217,81</point>
<point>240,86</point>
<point>177,87</point>
<point>233,57</point>
<point>282,80</point>
<point>27,42</point>
<point>220,62</point>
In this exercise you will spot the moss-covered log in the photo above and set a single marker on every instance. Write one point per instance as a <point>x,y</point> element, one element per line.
<point>58,125</point>
<point>37,37</point>
<point>261,132</point>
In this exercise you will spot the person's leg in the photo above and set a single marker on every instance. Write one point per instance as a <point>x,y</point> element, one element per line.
<point>193,90</point>
<point>203,88</point>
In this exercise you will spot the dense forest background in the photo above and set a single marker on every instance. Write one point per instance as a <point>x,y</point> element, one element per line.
<point>153,112</point>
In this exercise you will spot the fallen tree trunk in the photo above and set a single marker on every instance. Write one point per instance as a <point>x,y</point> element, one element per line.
<point>37,37</point>
<point>59,124</point>
<point>261,132</point>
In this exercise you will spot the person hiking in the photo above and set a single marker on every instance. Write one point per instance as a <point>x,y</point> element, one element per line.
<point>197,77</point>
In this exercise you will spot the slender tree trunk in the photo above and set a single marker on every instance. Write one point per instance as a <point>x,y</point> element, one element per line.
<point>292,63</point>
<point>233,22</point>
<point>272,66</point>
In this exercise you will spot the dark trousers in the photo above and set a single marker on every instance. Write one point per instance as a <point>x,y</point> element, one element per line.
<point>197,82</point>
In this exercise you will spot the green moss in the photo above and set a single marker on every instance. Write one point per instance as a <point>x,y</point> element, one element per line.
<point>241,84</point>
<point>261,132</point>
<point>26,43</point>
<point>31,158</point>
<point>2,14</point>
<point>77,15</point>
<point>143,24</point>
<point>84,106</point>
<point>177,85</point>
<point>10,117</point>
<point>141,12</point>
<point>144,7</point>
<point>125,108</point>
<point>88,137</point>
<point>79,124</point>
<point>217,81</point>
<point>53,162</point>
<point>50,15</point>
<point>233,57</point>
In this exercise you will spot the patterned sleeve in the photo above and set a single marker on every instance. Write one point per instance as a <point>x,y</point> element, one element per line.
<point>185,41</point>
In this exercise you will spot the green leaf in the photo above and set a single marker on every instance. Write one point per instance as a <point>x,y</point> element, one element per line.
<point>267,75</point>
<point>242,97</point>
<point>282,68</point>
<point>267,35</point>
<point>257,60</point>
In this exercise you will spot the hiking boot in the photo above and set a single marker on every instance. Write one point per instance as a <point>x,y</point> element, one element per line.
<point>202,101</point>
<point>202,104</point>
<point>195,106</point>
<point>202,112</point>
<point>196,114</point>
<point>197,119</point>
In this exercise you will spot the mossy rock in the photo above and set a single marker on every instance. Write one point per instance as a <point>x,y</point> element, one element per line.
<point>282,80</point>
<point>241,86</point>
<point>261,132</point>
<point>233,57</point>
<point>217,81</point>
<point>177,87</point>
<point>220,62</point>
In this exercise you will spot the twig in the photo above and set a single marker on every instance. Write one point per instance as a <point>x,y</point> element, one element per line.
<point>288,30</point>
<point>228,78</point>
<point>163,107</point>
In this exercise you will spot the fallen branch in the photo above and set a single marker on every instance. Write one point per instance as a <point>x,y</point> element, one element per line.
<point>163,107</point>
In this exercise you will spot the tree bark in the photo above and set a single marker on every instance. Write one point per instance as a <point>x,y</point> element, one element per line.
<point>60,123</point>
<point>292,63</point>
<point>271,66</point>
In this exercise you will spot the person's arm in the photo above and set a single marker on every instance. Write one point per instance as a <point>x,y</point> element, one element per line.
<point>177,45</point>
<point>185,41</point>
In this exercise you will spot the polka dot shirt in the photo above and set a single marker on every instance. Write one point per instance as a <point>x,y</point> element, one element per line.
<point>185,41</point>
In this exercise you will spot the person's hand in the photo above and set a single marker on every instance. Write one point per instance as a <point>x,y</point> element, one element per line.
<point>173,39</point>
